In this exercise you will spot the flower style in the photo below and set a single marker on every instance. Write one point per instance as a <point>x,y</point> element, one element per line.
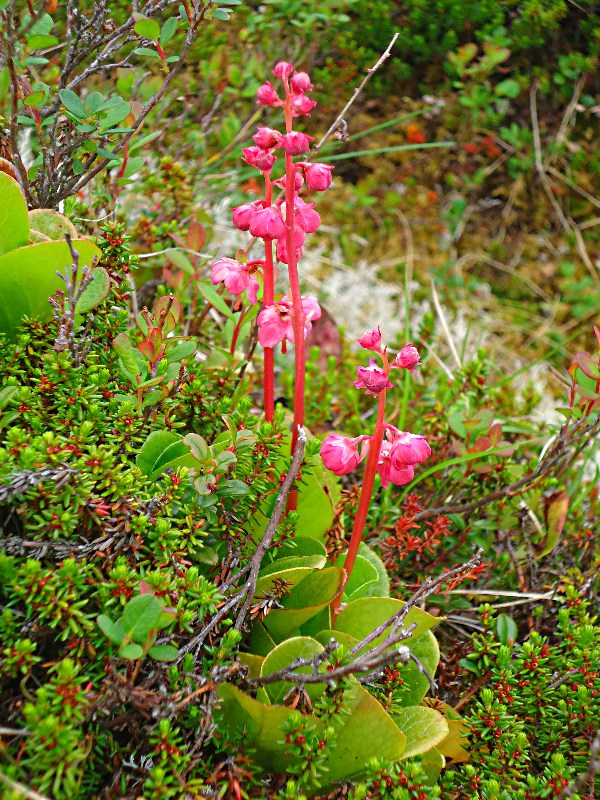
<point>372,378</point>
<point>275,322</point>
<point>317,176</point>
<point>407,358</point>
<point>341,455</point>
<point>371,340</point>
<point>236,277</point>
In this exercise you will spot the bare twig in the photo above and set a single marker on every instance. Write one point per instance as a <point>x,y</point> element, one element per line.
<point>370,72</point>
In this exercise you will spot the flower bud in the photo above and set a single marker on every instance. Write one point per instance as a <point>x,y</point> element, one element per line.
<point>407,358</point>
<point>371,340</point>
<point>372,379</point>
<point>317,176</point>
<point>283,69</point>
<point>259,158</point>
<point>340,454</point>
<point>267,223</point>
<point>267,138</point>
<point>302,105</point>
<point>300,82</point>
<point>296,143</point>
<point>267,96</point>
<point>242,216</point>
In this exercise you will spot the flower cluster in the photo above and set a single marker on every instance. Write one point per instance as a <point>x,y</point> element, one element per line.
<point>399,451</point>
<point>283,221</point>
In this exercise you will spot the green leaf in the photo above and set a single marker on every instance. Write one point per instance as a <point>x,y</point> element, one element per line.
<point>163,652</point>
<point>382,586</point>
<point>416,684</point>
<point>180,349</point>
<point>95,292</point>
<point>316,561</point>
<point>129,356</point>
<point>148,28</point>
<point>220,13</point>
<point>131,651</point>
<point>145,51</point>
<point>151,452</point>
<point>368,732</point>
<point>6,394</point>
<point>508,88</point>
<point>35,99</point>
<point>51,224</point>
<point>14,222</point>
<point>40,41</point>
<point>423,727</point>
<point>93,102</point>
<point>506,629</point>
<point>300,546</point>
<point>283,655</point>
<point>28,278</point>
<point>112,630</point>
<point>210,294</point>
<point>362,576</point>
<point>73,104</point>
<point>168,31</point>
<point>115,115</point>
<point>304,602</point>
<point>233,488</point>
<point>141,616</point>
<point>361,617</point>
<point>317,498</point>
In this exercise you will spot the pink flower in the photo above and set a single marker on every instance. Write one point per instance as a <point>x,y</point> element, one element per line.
<point>242,216</point>
<point>267,138</point>
<point>409,449</point>
<point>407,358</point>
<point>236,277</point>
<point>281,251</point>
<point>340,454</point>
<point>267,223</point>
<point>300,82</point>
<point>306,216</point>
<point>275,322</point>
<point>318,176</point>
<point>372,378</point>
<point>259,158</point>
<point>267,96</point>
<point>296,143</point>
<point>298,181</point>
<point>302,105</point>
<point>386,470</point>
<point>371,340</point>
<point>399,452</point>
<point>283,69</point>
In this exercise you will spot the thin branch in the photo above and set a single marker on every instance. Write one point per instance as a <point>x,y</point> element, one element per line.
<point>370,72</point>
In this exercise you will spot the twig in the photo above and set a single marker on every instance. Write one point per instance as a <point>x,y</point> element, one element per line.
<point>559,453</point>
<point>370,72</point>
<point>246,593</point>
<point>444,324</point>
<point>566,120</point>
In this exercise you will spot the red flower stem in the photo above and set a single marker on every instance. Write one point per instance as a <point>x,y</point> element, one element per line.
<point>364,502</point>
<point>298,311</point>
<point>268,300</point>
<point>236,331</point>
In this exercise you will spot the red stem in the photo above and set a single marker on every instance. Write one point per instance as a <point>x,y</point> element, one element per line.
<point>268,300</point>
<point>364,502</point>
<point>298,315</point>
<point>236,331</point>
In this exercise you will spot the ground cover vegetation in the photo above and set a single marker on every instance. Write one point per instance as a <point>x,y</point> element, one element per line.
<point>233,538</point>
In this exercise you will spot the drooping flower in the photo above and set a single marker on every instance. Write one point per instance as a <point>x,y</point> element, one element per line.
<point>283,69</point>
<point>399,452</point>
<point>371,340</point>
<point>407,358</point>
<point>267,96</point>
<point>341,455</point>
<point>300,82</point>
<point>242,215</point>
<point>268,138</point>
<point>296,143</point>
<point>281,251</point>
<point>306,216</point>
<point>275,322</point>
<point>372,378</point>
<point>267,223</point>
<point>236,277</point>
<point>259,158</point>
<point>302,105</point>
<point>318,176</point>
